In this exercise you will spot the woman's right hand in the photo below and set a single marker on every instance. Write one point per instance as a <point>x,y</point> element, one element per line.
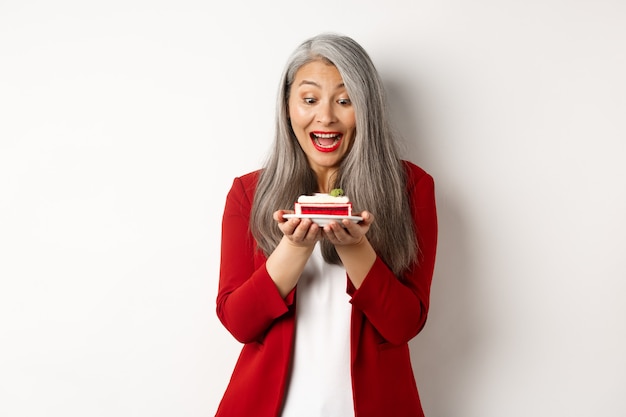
<point>298,232</point>
<point>286,263</point>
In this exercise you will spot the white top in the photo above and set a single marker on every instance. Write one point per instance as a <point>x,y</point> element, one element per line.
<point>321,384</point>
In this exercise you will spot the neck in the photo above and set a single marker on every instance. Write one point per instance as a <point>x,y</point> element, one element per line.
<point>325,179</point>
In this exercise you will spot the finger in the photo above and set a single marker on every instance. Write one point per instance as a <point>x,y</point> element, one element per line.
<point>368,218</point>
<point>350,227</point>
<point>350,234</point>
<point>335,232</point>
<point>302,229</point>
<point>309,235</point>
<point>278,216</point>
<point>313,233</point>
<point>357,230</point>
<point>289,227</point>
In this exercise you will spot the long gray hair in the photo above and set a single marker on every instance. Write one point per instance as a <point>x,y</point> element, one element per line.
<point>371,174</point>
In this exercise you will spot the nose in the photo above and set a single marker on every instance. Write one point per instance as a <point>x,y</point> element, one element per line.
<point>326,113</point>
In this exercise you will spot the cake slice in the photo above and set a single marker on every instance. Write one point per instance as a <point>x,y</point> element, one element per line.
<point>334,204</point>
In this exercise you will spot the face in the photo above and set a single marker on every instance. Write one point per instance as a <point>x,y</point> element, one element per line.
<point>322,116</point>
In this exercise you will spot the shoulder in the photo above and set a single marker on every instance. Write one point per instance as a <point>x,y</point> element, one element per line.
<point>242,191</point>
<point>414,173</point>
<point>420,185</point>
<point>246,183</point>
<point>250,179</point>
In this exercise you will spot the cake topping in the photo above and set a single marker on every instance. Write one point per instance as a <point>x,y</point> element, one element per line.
<point>322,198</point>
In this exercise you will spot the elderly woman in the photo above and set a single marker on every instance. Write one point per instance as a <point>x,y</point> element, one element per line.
<point>325,312</point>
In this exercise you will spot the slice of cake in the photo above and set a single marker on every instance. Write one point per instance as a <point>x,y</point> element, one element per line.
<point>335,204</point>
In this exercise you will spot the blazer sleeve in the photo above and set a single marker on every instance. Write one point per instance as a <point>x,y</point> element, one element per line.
<point>397,308</point>
<point>248,301</point>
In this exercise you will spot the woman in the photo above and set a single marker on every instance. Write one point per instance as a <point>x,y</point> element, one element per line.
<point>326,313</point>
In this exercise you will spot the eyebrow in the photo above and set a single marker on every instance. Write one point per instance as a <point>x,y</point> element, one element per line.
<point>307,82</point>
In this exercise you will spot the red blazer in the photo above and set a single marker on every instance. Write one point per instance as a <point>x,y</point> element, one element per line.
<point>386,314</point>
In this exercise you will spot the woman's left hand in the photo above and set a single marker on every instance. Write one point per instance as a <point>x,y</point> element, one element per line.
<point>348,233</point>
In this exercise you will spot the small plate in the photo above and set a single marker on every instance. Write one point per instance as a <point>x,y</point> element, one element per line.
<point>323,219</point>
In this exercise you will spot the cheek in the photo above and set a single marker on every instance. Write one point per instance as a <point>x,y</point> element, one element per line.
<point>299,117</point>
<point>349,118</point>
<point>353,124</point>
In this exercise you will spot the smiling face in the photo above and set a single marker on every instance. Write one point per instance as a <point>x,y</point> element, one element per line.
<point>322,117</point>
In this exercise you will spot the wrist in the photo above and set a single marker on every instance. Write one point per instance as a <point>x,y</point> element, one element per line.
<point>297,247</point>
<point>361,247</point>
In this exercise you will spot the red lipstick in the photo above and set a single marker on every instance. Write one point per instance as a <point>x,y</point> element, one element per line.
<point>326,141</point>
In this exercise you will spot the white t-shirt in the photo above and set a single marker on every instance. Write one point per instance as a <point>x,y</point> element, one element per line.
<point>321,384</point>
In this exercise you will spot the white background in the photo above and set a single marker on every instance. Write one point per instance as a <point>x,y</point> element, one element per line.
<point>123,123</point>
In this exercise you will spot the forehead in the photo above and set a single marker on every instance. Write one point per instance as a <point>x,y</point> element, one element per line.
<point>319,73</point>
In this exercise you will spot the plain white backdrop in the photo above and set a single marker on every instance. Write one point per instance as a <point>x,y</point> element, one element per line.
<point>123,123</point>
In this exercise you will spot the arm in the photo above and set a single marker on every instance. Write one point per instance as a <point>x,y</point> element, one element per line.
<point>287,261</point>
<point>248,301</point>
<point>398,308</point>
<point>354,249</point>
<point>251,297</point>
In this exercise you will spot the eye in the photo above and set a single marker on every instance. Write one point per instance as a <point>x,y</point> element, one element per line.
<point>309,100</point>
<point>344,101</point>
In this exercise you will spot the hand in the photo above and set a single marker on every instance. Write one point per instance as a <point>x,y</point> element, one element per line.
<point>299,232</point>
<point>348,233</point>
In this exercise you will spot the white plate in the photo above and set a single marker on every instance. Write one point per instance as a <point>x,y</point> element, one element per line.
<point>323,219</point>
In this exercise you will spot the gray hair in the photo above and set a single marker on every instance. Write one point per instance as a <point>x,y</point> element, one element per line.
<point>371,174</point>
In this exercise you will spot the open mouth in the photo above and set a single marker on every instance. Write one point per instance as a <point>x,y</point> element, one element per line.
<point>326,141</point>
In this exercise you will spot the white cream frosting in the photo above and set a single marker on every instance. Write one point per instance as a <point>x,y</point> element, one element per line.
<point>322,198</point>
